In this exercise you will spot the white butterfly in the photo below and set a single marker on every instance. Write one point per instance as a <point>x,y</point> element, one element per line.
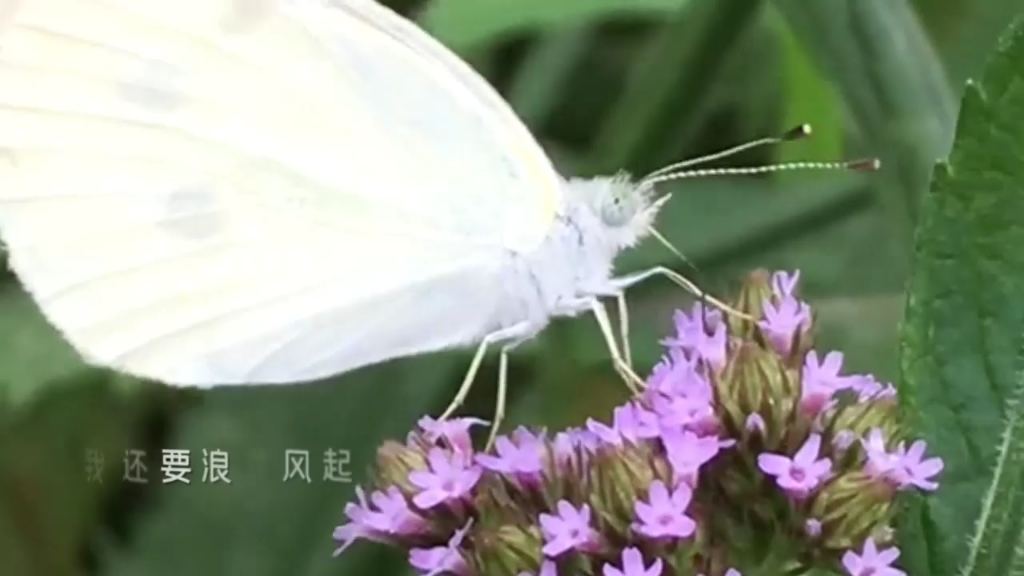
<point>214,192</point>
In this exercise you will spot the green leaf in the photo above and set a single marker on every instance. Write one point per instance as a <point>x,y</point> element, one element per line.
<point>962,337</point>
<point>462,25</point>
<point>998,542</point>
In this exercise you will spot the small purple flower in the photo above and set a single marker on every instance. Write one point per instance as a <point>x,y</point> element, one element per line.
<point>673,374</point>
<point>398,518</point>
<point>635,423</point>
<point>869,389</point>
<point>783,321</point>
<point>784,283</point>
<point>393,517</point>
<point>605,434</point>
<point>633,565</point>
<point>687,452</point>
<point>568,448</point>
<point>685,413</point>
<point>910,470</point>
<point>450,478</point>
<point>826,372</point>
<point>871,561</point>
<point>454,431</point>
<point>361,524</point>
<point>820,381</point>
<point>688,382</point>
<point>880,462</point>
<point>568,530</point>
<point>679,375</point>
<point>664,514</point>
<point>523,434</point>
<point>732,572</point>
<point>441,559</point>
<point>523,459</point>
<point>586,440</point>
<point>691,327</point>
<point>547,568</point>
<point>711,348</point>
<point>799,475</point>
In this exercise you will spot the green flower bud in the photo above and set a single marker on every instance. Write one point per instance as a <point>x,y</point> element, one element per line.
<point>621,477</point>
<point>507,550</point>
<point>754,381</point>
<point>394,462</point>
<point>755,290</point>
<point>861,417</point>
<point>850,508</point>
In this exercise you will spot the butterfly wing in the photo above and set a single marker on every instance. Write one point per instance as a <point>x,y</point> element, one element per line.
<point>213,192</point>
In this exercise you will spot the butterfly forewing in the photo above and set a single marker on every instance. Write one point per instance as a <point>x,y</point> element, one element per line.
<point>211,192</point>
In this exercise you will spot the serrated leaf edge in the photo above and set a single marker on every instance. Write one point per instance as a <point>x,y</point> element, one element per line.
<point>981,539</point>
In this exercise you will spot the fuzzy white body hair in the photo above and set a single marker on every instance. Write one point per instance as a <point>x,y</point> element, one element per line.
<point>599,218</point>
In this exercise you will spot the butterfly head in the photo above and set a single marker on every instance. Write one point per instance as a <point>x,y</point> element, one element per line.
<point>620,210</point>
<point>623,208</point>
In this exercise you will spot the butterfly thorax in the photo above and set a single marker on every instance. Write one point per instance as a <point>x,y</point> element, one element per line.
<point>599,218</point>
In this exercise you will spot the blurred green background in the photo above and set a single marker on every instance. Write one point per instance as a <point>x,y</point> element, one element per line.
<point>605,84</point>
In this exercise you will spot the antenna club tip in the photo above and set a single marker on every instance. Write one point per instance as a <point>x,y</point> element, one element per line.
<point>865,165</point>
<point>797,132</point>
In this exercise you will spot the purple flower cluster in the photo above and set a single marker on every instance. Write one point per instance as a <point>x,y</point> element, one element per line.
<point>746,451</point>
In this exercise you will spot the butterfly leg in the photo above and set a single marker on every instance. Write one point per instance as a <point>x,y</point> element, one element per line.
<point>575,306</point>
<point>627,354</point>
<point>499,408</point>
<point>519,331</point>
<point>634,382</point>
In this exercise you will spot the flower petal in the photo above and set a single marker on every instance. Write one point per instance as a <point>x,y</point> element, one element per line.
<point>853,563</point>
<point>916,451</point>
<point>929,467</point>
<point>610,570</point>
<point>657,493</point>
<point>887,556</point>
<point>422,479</point>
<point>550,524</point>
<point>808,453</point>
<point>632,562</point>
<point>774,464</point>
<point>428,499</point>
<point>832,363</point>
<point>870,553</point>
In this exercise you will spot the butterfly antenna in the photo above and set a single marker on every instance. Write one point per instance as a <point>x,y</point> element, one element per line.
<point>702,296</point>
<point>795,133</point>
<point>685,169</point>
<point>664,242</point>
<point>861,165</point>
